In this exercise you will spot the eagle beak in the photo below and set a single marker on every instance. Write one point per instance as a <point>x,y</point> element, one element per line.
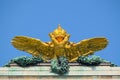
<point>59,38</point>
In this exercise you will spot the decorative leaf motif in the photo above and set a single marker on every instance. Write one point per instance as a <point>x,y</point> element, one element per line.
<point>93,61</point>
<point>25,61</point>
<point>60,65</point>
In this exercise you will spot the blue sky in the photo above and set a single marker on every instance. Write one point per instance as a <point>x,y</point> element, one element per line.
<point>81,18</point>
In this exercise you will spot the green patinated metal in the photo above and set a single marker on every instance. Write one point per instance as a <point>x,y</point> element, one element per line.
<point>90,61</point>
<point>59,65</point>
<point>25,61</point>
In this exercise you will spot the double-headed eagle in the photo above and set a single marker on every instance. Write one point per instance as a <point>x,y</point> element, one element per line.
<point>59,46</point>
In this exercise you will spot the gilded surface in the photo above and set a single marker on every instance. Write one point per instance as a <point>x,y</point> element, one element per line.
<point>59,46</point>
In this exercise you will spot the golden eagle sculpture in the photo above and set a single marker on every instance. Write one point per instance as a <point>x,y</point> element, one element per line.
<point>59,46</point>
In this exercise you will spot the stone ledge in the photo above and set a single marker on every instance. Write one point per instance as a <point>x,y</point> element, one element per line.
<point>43,72</point>
<point>43,69</point>
<point>71,64</point>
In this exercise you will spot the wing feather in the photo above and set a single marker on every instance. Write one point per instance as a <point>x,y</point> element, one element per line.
<point>33,46</point>
<point>85,47</point>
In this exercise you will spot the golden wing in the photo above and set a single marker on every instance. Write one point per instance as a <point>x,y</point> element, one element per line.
<point>33,46</point>
<point>85,47</point>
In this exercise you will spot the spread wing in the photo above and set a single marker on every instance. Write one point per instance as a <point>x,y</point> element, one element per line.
<point>85,47</point>
<point>33,46</point>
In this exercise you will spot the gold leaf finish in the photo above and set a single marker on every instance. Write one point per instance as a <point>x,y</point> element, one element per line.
<point>59,46</point>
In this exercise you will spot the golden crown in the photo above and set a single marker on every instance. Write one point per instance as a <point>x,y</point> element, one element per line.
<point>59,31</point>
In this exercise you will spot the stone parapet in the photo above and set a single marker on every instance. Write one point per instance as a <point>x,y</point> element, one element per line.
<point>76,72</point>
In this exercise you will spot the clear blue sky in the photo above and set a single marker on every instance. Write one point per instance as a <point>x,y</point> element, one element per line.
<point>81,18</point>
